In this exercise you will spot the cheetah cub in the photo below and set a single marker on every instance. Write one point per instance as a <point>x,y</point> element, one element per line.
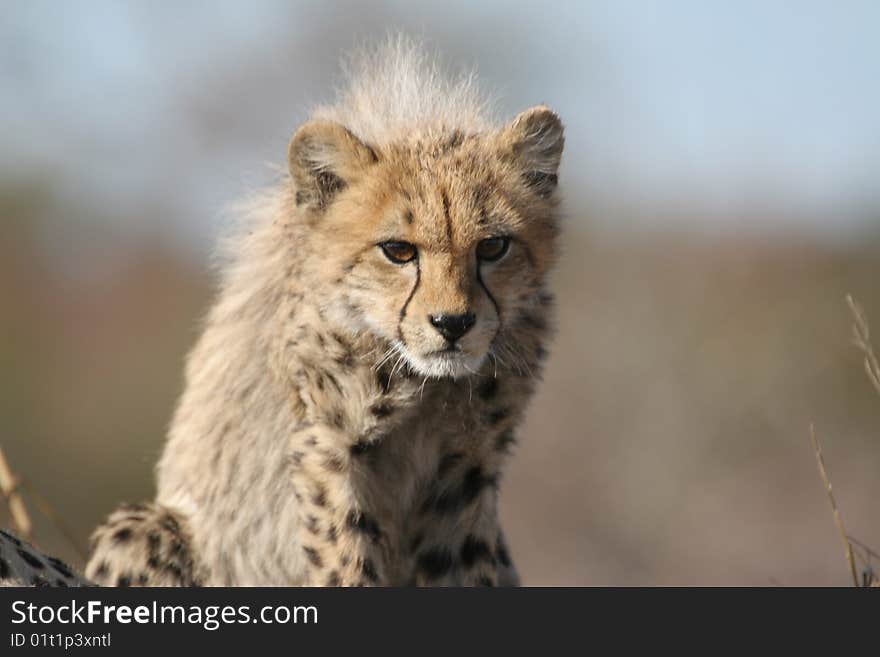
<point>379,329</point>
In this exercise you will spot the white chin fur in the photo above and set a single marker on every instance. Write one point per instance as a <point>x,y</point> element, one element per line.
<point>441,367</point>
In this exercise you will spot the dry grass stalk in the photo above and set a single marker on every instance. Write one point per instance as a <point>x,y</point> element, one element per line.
<point>47,510</point>
<point>820,461</point>
<point>862,339</point>
<point>17,509</point>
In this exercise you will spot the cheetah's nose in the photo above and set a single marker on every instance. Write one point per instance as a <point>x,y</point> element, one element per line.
<point>452,327</point>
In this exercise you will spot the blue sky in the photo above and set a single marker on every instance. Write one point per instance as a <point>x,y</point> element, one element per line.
<point>687,113</point>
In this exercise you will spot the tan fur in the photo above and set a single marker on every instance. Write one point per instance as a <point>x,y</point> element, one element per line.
<point>321,438</point>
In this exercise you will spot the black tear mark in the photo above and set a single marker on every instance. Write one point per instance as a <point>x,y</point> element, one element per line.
<point>412,293</point>
<point>488,293</point>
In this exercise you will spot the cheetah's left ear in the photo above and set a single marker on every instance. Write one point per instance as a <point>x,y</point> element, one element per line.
<point>534,140</point>
<point>324,157</point>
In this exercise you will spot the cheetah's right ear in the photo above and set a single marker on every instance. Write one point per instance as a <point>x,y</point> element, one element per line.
<point>534,141</point>
<point>324,157</point>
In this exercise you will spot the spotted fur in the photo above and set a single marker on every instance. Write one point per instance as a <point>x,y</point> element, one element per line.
<point>21,564</point>
<point>329,434</point>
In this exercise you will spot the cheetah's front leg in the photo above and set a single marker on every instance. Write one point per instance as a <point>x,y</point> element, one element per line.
<point>460,542</point>
<point>341,529</point>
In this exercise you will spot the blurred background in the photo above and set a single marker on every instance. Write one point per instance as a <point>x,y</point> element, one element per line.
<point>721,177</point>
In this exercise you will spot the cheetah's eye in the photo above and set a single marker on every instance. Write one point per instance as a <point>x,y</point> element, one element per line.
<point>399,252</point>
<point>492,248</point>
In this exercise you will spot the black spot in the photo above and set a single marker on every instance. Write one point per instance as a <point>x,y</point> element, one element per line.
<point>312,525</point>
<point>337,418</point>
<point>177,548</point>
<point>502,554</point>
<point>334,381</point>
<point>154,562</point>
<point>365,524</point>
<point>435,562</point>
<point>445,199</point>
<point>30,559</point>
<point>497,416</point>
<point>475,480</point>
<point>333,579</point>
<point>369,570</point>
<point>313,556</point>
<point>121,535</point>
<point>331,534</point>
<point>297,458</point>
<point>383,376</point>
<point>143,578</point>
<point>408,217</point>
<point>448,462</point>
<point>453,140</point>
<point>61,567</point>
<point>170,524</point>
<point>124,581</point>
<point>475,549</point>
<point>174,570</point>
<point>535,321</point>
<point>154,542</point>
<point>504,441</point>
<point>102,570</point>
<point>381,410</point>
<point>488,389</point>
<point>320,497</point>
<point>453,499</point>
<point>361,447</point>
<point>311,441</point>
<point>4,568</point>
<point>334,463</point>
<point>416,542</point>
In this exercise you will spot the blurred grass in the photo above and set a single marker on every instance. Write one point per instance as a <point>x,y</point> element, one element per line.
<point>666,445</point>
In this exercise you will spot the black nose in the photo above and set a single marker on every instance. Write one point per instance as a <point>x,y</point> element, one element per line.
<point>452,327</point>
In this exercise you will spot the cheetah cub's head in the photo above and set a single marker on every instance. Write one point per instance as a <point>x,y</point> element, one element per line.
<point>437,244</point>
